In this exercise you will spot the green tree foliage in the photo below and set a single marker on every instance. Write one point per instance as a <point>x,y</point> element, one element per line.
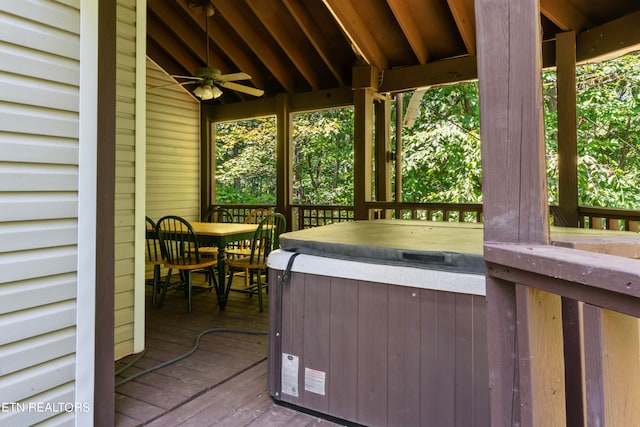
<point>608,130</point>
<point>323,157</point>
<point>246,161</point>
<point>441,151</point>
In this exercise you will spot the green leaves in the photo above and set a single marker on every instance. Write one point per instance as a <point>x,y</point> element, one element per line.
<point>441,151</point>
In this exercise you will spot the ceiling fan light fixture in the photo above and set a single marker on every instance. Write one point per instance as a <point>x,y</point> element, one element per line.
<point>207,91</point>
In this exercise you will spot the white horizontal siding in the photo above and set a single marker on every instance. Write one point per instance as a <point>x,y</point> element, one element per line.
<point>173,148</point>
<point>38,205</point>
<point>37,350</point>
<point>125,187</point>
<point>37,234</point>
<point>36,292</point>
<point>25,324</point>
<point>37,379</point>
<point>64,393</point>
<point>39,148</point>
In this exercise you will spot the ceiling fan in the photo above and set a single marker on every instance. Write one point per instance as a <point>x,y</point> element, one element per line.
<point>211,80</point>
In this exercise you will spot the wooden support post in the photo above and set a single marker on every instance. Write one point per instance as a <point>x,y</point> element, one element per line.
<point>594,386</point>
<point>621,368</point>
<point>382,159</point>
<point>398,162</point>
<point>567,137</point>
<point>284,156</point>
<point>365,82</point>
<point>103,375</point>
<point>573,361</point>
<point>207,162</point>
<point>514,191</point>
<point>541,362</point>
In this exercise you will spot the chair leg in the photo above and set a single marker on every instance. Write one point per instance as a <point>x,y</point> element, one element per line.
<point>156,277</point>
<point>188,291</point>
<point>164,289</point>
<point>259,273</point>
<point>230,272</point>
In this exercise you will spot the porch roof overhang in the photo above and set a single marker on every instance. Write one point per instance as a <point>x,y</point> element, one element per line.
<point>306,46</point>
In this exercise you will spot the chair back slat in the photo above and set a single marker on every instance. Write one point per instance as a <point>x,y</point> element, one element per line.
<point>154,252</point>
<point>219,214</point>
<point>178,241</point>
<point>257,215</point>
<point>267,237</point>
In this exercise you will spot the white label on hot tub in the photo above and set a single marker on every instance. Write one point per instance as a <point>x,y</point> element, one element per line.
<point>314,381</point>
<point>289,377</point>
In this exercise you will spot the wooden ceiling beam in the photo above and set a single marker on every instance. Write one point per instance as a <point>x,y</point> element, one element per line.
<point>407,23</point>
<point>223,40</point>
<point>163,59</point>
<point>357,32</point>
<point>335,63</point>
<point>182,30</point>
<point>273,61</point>
<point>464,15</point>
<point>299,51</point>
<point>435,73</point>
<point>609,40</point>
<point>564,15</point>
<point>171,45</point>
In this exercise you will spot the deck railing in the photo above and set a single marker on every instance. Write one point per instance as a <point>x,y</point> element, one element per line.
<point>308,216</point>
<point>608,218</point>
<point>239,212</point>
<point>574,330</point>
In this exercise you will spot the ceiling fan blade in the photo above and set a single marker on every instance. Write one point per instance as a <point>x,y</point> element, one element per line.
<point>187,77</point>
<point>241,88</point>
<point>233,77</point>
<point>175,84</point>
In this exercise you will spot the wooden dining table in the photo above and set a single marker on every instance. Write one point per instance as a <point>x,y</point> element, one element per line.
<point>220,234</point>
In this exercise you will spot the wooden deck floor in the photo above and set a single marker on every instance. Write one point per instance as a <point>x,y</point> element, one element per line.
<point>222,383</point>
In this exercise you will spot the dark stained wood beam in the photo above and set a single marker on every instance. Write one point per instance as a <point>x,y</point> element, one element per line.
<point>274,60</point>
<point>513,155</point>
<point>323,99</point>
<point>433,73</point>
<point>328,52</point>
<point>172,46</point>
<point>463,14</point>
<point>405,19</point>
<point>182,30</point>
<point>284,157</point>
<point>598,279</point>
<point>564,15</point>
<point>609,40</point>
<point>160,56</point>
<point>103,376</point>
<point>514,190</point>
<point>284,30</point>
<point>358,33</point>
<point>567,135</point>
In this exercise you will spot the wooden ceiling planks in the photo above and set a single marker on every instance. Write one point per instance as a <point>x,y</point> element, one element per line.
<point>298,46</point>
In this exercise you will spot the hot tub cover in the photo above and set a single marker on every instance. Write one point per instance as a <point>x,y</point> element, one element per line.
<point>431,245</point>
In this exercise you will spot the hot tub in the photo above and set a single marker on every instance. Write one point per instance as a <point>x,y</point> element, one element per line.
<point>381,323</point>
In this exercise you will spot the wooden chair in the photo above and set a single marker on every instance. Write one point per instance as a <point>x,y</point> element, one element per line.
<point>243,248</point>
<point>181,251</point>
<point>257,215</point>
<point>265,239</point>
<point>218,214</point>
<point>153,258</point>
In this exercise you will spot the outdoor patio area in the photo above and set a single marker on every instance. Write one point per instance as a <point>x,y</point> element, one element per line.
<point>224,382</point>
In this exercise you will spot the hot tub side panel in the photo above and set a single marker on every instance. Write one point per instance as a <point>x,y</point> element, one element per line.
<point>376,354</point>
